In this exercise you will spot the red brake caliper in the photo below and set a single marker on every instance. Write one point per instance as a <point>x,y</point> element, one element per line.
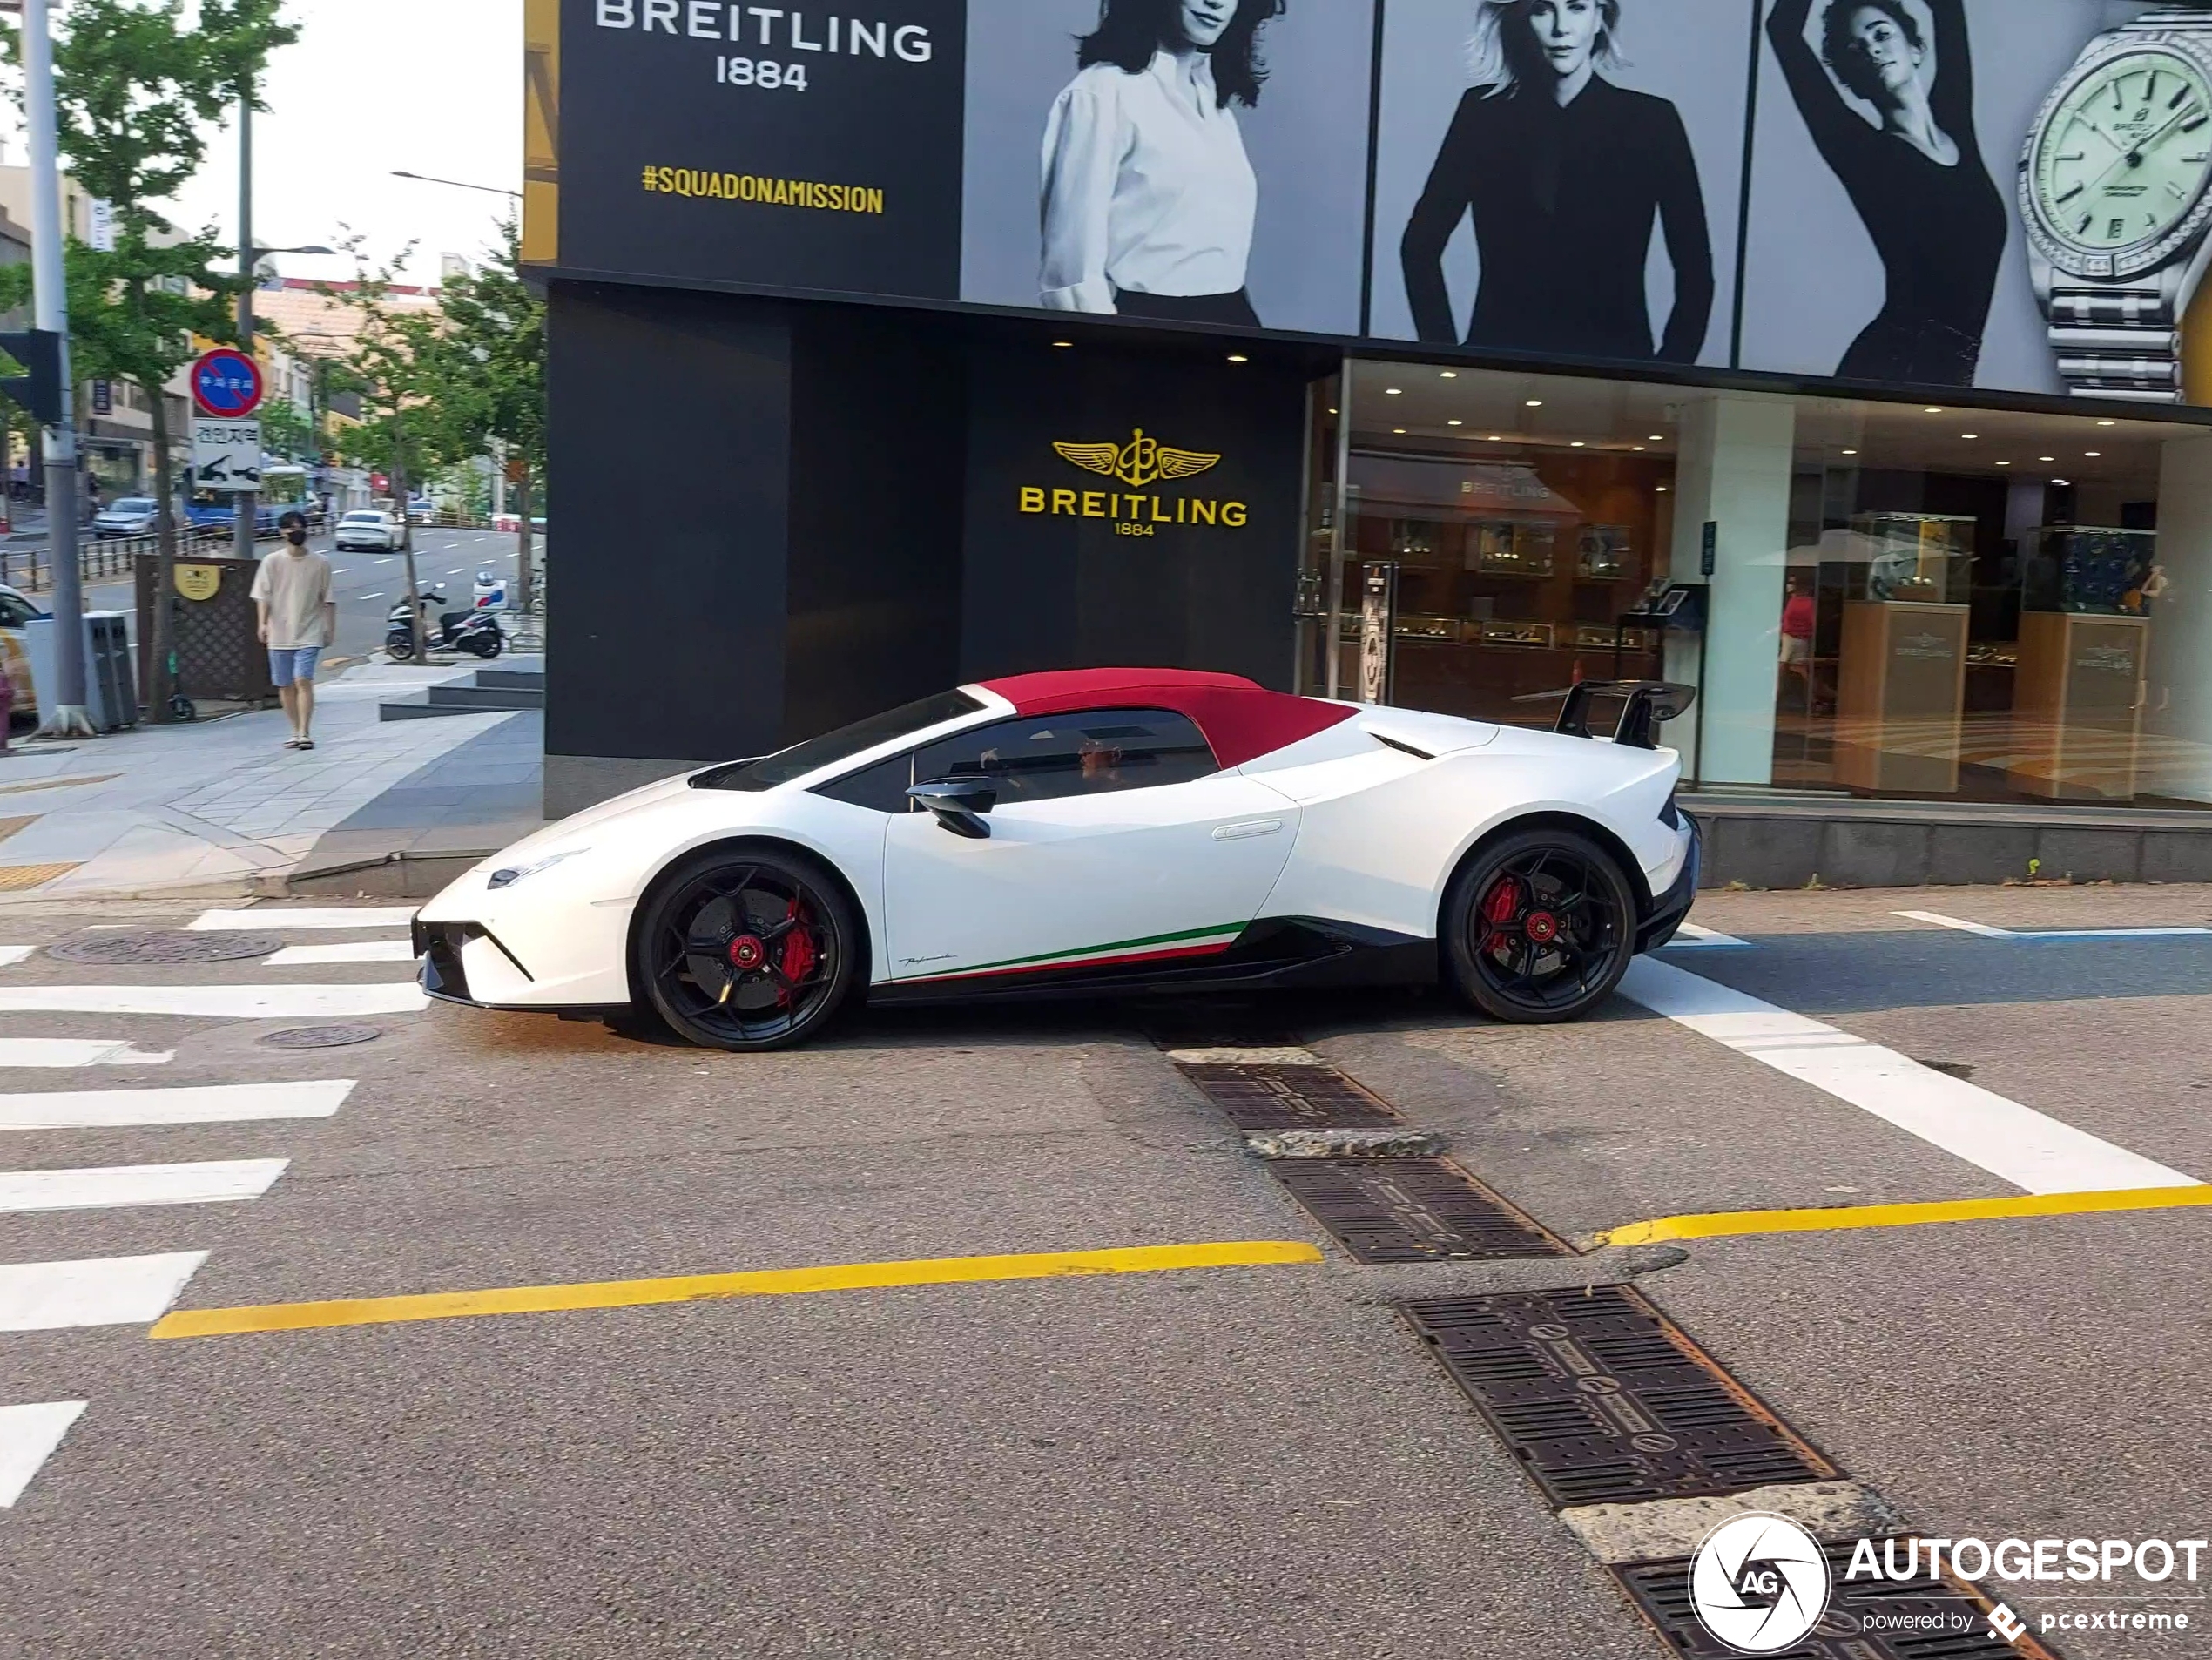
<point>1500,906</point>
<point>800,954</point>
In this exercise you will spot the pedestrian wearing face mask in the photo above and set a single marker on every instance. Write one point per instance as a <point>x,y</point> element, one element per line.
<point>298,619</point>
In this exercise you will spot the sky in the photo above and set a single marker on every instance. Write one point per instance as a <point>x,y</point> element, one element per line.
<point>432,86</point>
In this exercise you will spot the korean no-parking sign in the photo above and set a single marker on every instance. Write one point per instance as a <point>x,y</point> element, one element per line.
<point>226,384</point>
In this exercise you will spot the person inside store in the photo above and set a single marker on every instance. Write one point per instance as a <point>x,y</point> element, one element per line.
<point>1914,171</point>
<point>1148,197</point>
<point>1565,174</point>
<point>1799,614</point>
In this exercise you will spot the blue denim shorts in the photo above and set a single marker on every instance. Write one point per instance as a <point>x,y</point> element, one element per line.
<point>290,663</point>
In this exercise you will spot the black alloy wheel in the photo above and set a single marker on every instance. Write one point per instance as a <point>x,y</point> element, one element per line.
<point>1540,926</point>
<point>747,949</point>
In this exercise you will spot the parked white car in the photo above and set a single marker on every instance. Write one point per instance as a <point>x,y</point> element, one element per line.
<point>368,532</point>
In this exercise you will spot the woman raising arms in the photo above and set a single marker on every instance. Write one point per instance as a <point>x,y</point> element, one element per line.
<point>1565,174</point>
<point>1149,198</point>
<point>1915,173</point>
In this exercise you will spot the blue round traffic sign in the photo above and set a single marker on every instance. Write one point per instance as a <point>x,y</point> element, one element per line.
<point>226,383</point>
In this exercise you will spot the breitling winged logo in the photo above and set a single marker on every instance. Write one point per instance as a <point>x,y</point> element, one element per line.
<point>1139,461</point>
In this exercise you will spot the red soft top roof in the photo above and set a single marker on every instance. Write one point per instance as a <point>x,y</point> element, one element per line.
<point>1242,719</point>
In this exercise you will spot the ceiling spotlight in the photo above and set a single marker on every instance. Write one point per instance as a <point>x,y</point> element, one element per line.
<point>1850,452</point>
<point>2108,423</point>
<point>1637,448</point>
<point>1063,344</point>
<point>1496,439</point>
<point>1662,488</point>
<point>1393,391</point>
<point>1535,403</point>
<point>2046,458</point>
<point>2092,454</point>
<point>2064,483</point>
<point>2004,463</point>
<point>1577,444</point>
<point>1970,435</point>
<point>1932,410</point>
<point>1447,375</point>
<point>1238,357</point>
<point>1398,432</point>
<point>1658,437</point>
<point>1455,421</point>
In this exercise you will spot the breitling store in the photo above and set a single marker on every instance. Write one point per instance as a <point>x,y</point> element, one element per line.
<point>1848,360</point>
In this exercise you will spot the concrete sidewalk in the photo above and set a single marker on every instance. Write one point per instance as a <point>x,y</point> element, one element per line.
<point>222,805</point>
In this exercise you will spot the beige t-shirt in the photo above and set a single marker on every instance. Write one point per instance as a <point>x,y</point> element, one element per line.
<point>296,588</point>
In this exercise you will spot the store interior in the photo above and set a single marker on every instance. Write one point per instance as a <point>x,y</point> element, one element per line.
<point>1964,603</point>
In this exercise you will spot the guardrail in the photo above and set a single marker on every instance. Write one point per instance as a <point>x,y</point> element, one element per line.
<point>105,559</point>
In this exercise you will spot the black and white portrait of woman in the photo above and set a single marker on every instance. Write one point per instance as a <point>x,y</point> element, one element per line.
<point>1565,174</point>
<point>1149,198</point>
<point>1888,97</point>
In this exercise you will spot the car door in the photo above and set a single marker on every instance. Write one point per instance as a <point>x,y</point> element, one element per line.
<point>1117,838</point>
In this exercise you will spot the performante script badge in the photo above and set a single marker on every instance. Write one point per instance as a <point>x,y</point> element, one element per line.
<point>1139,461</point>
<point>1759,1583</point>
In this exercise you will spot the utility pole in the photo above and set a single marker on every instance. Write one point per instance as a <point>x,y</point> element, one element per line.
<point>247,501</point>
<point>65,715</point>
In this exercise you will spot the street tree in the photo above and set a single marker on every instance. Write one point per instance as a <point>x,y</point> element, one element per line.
<point>138,84</point>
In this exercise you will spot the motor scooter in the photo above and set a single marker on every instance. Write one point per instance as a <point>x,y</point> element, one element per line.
<point>473,632</point>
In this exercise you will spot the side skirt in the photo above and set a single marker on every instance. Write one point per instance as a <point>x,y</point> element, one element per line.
<point>1274,952</point>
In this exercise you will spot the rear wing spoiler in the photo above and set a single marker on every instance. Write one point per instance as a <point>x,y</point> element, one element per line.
<point>1645,706</point>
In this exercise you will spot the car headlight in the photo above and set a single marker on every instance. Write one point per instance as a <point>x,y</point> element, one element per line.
<point>507,875</point>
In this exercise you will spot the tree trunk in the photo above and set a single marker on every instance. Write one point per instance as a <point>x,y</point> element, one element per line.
<point>525,578</point>
<point>406,546</point>
<point>161,683</point>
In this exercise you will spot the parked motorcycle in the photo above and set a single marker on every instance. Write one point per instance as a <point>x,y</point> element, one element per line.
<point>473,632</point>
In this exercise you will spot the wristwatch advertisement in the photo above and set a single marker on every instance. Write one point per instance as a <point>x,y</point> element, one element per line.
<point>2113,193</point>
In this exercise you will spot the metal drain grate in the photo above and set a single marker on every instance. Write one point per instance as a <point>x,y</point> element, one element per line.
<point>121,950</point>
<point>321,1036</point>
<point>1413,1210</point>
<point>1604,1399</point>
<point>1867,1619</point>
<point>1289,1097</point>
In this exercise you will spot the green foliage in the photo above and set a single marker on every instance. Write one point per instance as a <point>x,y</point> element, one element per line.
<point>492,357</point>
<point>133,313</point>
<point>286,432</point>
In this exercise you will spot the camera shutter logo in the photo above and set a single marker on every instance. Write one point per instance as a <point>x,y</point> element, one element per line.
<point>1759,1583</point>
<point>1139,461</point>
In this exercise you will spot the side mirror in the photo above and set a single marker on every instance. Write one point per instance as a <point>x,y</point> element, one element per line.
<point>959,803</point>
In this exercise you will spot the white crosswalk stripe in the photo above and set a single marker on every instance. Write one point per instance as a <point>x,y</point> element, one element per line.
<point>189,1104</point>
<point>29,1436</point>
<point>280,917</point>
<point>78,1051</point>
<point>100,1291</point>
<point>228,1002</point>
<point>89,1290</point>
<point>345,951</point>
<point>115,1186</point>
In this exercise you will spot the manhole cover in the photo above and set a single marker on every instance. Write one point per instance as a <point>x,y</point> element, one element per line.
<point>1879,1619</point>
<point>1289,1097</point>
<point>321,1036</point>
<point>121,949</point>
<point>1604,1400</point>
<point>1413,1210</point>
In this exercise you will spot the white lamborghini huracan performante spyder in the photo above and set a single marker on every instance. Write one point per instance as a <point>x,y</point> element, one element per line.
<point>1102,831</point>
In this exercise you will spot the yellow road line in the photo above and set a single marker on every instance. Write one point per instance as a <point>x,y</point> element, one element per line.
<point>687,1288</point>
<point>1725,1223</point>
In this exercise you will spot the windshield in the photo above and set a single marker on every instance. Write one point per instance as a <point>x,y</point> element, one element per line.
<point>362,518</point>
<point>833,747</point>
<point>133,504</point>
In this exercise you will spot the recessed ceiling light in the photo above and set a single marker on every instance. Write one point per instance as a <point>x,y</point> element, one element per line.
<point>2092,454</point>
<point>1637,448</point>
<point>1658,437</point>
<point>1535,403</point>
<point>2066,482</point>
<point>1455,421</point>
<point>1933,409</point>
<point>1332,412</point>
<point>2004,463</point>
<point>1970,435</point>
<point>1063,344</point>
<point>1495,439</point>
<point>2108,423</point>
<point>1398,432</point>
<point>1850,452</point>
<point>1577,444</point>
<point>1238,357</point>
<point>1393,391</point>
<point>2046,458</point>
<point>1663,489</point>
<point>1447,375</point>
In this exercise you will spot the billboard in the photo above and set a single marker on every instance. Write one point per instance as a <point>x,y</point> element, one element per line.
<point>2013,195</point>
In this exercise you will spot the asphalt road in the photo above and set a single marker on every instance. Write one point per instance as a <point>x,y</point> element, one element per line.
<point>368,585</point>
<point>1248,1460</point>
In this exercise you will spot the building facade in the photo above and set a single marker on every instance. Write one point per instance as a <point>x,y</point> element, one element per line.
<point>1843,360</point>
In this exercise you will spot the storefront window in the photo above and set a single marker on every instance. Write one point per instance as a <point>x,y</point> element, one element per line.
<point>1883,600</point>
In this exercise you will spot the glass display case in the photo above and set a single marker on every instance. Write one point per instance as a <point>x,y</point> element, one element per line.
<point>2091,571</point>
<point>1519,548</point>
<point>1603,553</point>
<point>1924,559</point>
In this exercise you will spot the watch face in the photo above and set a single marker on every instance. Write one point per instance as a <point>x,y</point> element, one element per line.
<point>2126,153</point>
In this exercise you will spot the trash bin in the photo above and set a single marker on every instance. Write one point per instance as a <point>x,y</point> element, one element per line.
<point>220,655</point>
<point>110,696</point>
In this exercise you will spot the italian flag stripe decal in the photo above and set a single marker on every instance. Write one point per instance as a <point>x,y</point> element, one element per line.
<point>1189,943</point>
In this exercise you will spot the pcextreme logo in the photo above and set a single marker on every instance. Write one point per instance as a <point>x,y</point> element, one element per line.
<point>1139,463</point>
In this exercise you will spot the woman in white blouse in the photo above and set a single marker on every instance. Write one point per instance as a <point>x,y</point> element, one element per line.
<point>1148,197</point>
